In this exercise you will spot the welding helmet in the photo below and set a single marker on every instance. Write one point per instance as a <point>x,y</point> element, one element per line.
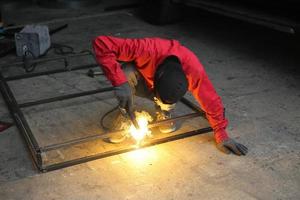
<point>170,82</point>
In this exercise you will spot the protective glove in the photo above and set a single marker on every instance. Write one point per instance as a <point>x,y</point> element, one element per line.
<point>131,74</point>
<point>230,146</point>
<point>124,95</point>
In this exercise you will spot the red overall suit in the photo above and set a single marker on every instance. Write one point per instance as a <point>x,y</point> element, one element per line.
<point>147,54</point>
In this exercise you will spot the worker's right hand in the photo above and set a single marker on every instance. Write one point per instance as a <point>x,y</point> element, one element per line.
<point>124,95</point>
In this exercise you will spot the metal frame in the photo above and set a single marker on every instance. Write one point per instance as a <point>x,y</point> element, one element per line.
<point>246,14</point>
<point>36,151</point>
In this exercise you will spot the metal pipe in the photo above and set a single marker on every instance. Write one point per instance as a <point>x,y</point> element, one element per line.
<point>238,12</point>
<point>124,150</point>
<point>40,60</point>
<point>91,73</point>
<point>192,106</point>
<point>106,135</point>
<point>20,120</point>
<point>65,97</point>
<point>24,76</point>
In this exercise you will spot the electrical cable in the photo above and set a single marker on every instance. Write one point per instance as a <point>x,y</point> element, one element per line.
<point>59,49</point>
<point>104,116</point>
<point>27,57</point>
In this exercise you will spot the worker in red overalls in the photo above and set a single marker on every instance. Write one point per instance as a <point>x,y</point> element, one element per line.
<point>162,70</point>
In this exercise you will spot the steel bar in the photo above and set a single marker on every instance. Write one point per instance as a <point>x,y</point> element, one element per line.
<point>192,106</point>
<point>20,120</point>
<point>244,14</point>
<point>24,76</point>
<point>91,73</point>
<point>124,150</point>
<point>106,135</point>
<point>41,60</point>
<point>65,97</point>
<point>183,117</point>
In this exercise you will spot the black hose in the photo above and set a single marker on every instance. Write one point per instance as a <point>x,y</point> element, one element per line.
<point>27,58</point>
<point>59,49</point>
<point>105,115</point>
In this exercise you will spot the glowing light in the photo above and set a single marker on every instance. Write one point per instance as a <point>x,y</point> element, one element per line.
<point>139,155</point>
<point>141,158</point>
<point>143,118</point>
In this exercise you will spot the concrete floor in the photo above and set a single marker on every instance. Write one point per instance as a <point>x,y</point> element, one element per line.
<point>255,71</point>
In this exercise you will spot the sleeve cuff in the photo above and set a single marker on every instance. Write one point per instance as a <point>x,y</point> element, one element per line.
<point>121,79</point>
<point>220,136</point>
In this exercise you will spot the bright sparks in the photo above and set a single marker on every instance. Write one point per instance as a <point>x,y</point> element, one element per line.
<point>143,118</point>
<point>142,158</point>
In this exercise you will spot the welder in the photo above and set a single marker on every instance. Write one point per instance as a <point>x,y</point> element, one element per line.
<point>162,70</point>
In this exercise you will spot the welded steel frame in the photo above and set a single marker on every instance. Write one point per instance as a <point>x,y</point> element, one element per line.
<point>36,151</point>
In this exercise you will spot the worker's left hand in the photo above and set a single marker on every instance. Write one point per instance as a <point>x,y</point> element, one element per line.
<point>230,146</point>
<point>124,95</point>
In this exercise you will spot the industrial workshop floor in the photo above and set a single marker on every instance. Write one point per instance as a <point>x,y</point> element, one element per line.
<point>255,71</point>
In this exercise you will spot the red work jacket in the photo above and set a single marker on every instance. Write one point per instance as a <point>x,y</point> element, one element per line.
<point>147,54</point>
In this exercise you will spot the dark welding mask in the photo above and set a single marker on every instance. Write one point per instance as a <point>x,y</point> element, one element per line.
<point>170,82</point>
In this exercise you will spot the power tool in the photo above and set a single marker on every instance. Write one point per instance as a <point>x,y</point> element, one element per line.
<point>130,115</point>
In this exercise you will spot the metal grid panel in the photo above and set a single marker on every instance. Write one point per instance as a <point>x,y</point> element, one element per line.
<point>42,154</point>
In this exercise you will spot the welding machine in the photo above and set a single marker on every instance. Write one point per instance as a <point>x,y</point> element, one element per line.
<point>32,41</point>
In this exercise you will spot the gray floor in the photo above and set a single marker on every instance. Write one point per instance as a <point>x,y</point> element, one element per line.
<point>255,71</point>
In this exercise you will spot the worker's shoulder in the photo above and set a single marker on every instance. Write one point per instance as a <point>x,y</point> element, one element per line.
<point>161,40</point>
<point>107,37</point>
<point>149,40</point>
<point>160,44</point>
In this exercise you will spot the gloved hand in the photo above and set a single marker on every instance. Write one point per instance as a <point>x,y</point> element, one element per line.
<point>230,146</point>
<point>124,95</point>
